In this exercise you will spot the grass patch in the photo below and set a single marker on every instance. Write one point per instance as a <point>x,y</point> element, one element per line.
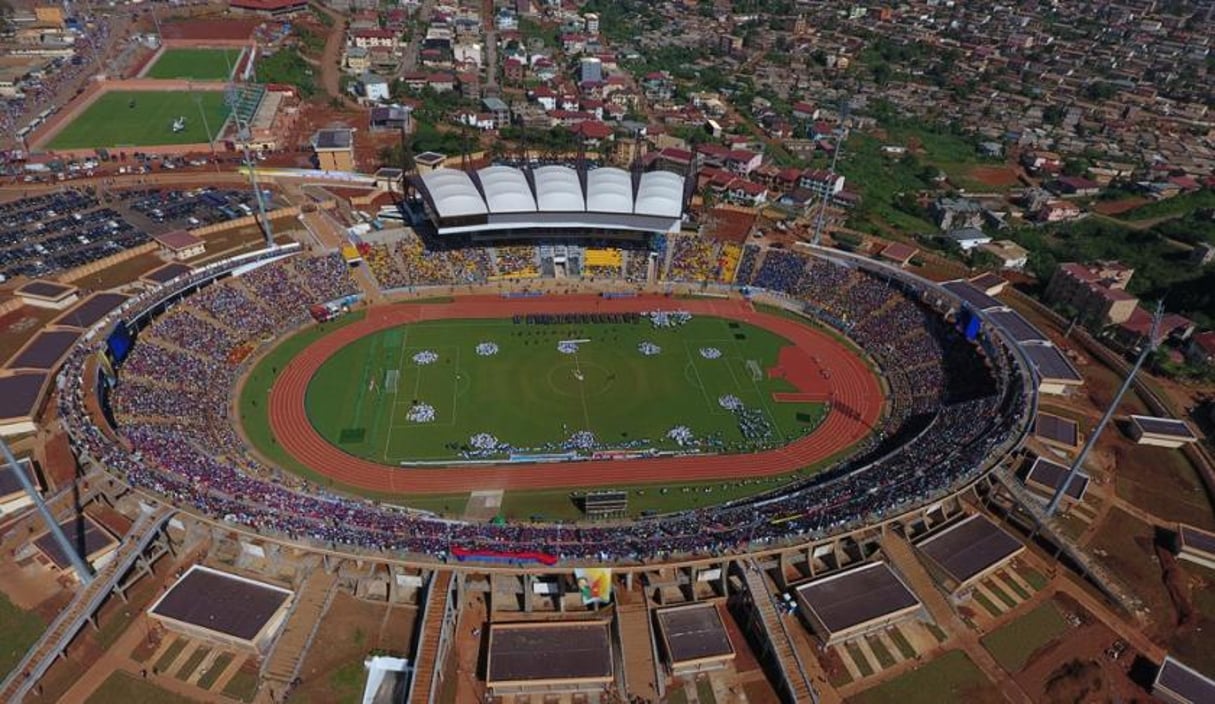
<point>144,118</point>
<point>162,665</point>
<point>1033,578</point>
<point>704,691</point>
<point>1000,593</point>
<point>18,631</point>
<point>1020,591</point>
<point>433,299</point>
<point>243,685</point>
<point>347,681</point>
<point>192,663</point>
<point>937,632</point>
<point>880,651</point>
<point>1014,643</point>
<point>858,657</point>
<point>218,665</point>
<point>124,688</point>
<point>1178,205</point>
<point>196,64</point>
<point>950,678</point>
<point>900,641</point>
<point>986,603</point>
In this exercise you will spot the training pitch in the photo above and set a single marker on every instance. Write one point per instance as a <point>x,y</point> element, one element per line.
<point>195,64</point>
<point>421,392</point>
<point>144,118</point>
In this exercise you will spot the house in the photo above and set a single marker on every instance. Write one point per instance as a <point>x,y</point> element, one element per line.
<point>592,132</point>
<point>1056,211</point>
<point>506,20</point>
<point>374,88</point>
<point>392,117</point>
<point>898,253</point>
<point>991,150</point>
<point>512,70</point>
<point>967,237</point>
<point>1097,292</point>
<point>1011,255</point>
<point>334,149</point>
<point>1131,333</point>
<point>1201,350</point>
<point>747,193</point>
<point>743,162</point>
<point>954,213</point>
<point>658,86</point>
<point>1074,186</point>
<point>441,82</point>
<point>804,111</point>
<point>367,38</point>
<point>358,59</point>
<point>545,97</point>
<point>179,244</point>
<point>1042,162</point>
<point>498,108</point>
<point>470,84</point>
<point>821,182</point>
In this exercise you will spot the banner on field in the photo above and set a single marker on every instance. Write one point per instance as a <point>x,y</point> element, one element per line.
<point>595,584</point>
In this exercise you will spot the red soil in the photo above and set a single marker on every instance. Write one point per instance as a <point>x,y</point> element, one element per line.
<point>852,386</point>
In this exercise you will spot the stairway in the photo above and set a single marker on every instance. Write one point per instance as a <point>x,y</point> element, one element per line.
<point>426,655</point>
<point>310,606</point>
<point>796,684</point>
<point>88,599</point>
<point>635,637</point>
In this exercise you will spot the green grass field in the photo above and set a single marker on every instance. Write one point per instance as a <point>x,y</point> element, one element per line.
<point>534,398</point>
<point>121,688</point>
<point>950,678</point>
<point>18,631</point>
<point>143,118</point>
<point>1013,644</point>
<point>196,64</point>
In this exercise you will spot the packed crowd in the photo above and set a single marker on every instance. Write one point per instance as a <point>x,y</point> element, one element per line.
<point>695,259</point>
<point>210,472</point>
<point>516,261</point>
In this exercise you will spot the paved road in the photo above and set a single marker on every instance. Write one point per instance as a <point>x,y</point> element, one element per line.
<point>410,61</point>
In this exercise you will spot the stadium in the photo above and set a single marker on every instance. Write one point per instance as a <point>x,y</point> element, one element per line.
<point>693,404</point>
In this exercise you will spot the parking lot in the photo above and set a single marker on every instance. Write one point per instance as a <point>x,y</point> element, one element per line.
<point>49,233</point>
<point>174,209</point>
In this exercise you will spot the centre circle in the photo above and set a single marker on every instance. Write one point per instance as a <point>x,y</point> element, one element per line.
<point>596,378</point>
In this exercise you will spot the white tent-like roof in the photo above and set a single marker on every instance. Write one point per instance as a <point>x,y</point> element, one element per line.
<point>454,193</point>
<point>506,190</point>
<point>558,189</point>
<point>661,194</point>
<point>609,190</point>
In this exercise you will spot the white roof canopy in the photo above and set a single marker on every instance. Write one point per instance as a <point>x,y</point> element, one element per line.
<point>506,190</point>
<point>660,193</point>
<point>609,190</point>
<point>454,193</point>
<point>558,189</point>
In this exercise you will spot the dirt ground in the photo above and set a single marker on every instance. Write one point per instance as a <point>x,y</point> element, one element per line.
<point>1117,207</point>
<point>994,176</point>
<point>17,327</point>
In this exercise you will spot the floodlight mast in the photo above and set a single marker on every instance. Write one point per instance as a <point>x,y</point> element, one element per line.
<point>835,155</point>
<point>243,135</point>
<point>83,571</point>
<point>1148,348</point>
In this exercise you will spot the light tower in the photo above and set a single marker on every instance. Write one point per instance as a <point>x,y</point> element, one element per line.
<point>1148,348</point>
<point>83,571</point>
<point>232,98</point>
<point>845,106</point>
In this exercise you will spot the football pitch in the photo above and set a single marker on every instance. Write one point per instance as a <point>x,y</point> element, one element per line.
<point>196,64</point>
<point>472,390</point>
<point>144,118</point>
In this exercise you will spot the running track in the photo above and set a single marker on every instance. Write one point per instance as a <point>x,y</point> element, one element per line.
<point>853,385</point>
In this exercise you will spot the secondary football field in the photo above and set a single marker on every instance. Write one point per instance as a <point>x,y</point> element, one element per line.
<point>452,390</point>
<point>196,64</point>
<point>144,119</point>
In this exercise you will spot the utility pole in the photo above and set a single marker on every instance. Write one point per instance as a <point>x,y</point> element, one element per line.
<point>1148,348</point>
<point>83,571</point>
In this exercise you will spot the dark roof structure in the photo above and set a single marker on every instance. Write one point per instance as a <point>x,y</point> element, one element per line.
<point>221,602</point>
<point>1057,429</point>
<point>87,538</point>
<point>1179,683</point>
<point>1168,427</point>
<point>694,632</point>
<point>336,138</point>
<point>177,240</point>
<point>1197,539</point>
<point>1051,363</point>
<point>857,596</point>
<point>970,548</point>
<point>971,295</point>
<point>19,394</point>
<point>10,483</point>
<point>46,289</point>
<point>1016,326</point>
<point>550,651</point>
<point>45,350</point>
<point>166,273</point>
<point>92,309</point>
<point>1049,475</point>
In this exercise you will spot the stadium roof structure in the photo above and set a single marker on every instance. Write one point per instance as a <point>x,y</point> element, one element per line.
<point>88,537</point>
<point>971,295</point>
<point>549,657</point>
<point>45,350</point>
<point>856,601</point>
<point>91,310</point>
<point>508,200</point>
<point>20,396</point>
<point>1057,430</point>
<point>1164,432</point>
<point>1196,545</point>
<point>1054,368</point>
<point>166,273</point>
<point>1016,326</point>
<point>1048,476</point>
<point>969,550</point>
<point>694,638</point>
<point>224,608</point>
<point>1179,684</point>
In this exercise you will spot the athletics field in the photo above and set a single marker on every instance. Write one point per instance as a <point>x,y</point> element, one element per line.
<point>487,389</point>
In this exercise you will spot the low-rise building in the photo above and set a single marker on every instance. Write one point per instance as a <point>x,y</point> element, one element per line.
<point>1097,292</point>
<point>1011,255</point>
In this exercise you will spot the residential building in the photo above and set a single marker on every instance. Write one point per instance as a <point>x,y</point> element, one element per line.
<point>1011,255</point>
<point>967,237</point>
<point>334,149</point>
<point>374,88</point>
<point>1097,292</point>
<point>955,213</point>
<point>821,182</point>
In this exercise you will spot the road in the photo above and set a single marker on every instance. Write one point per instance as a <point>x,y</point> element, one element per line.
<point>410,61</point>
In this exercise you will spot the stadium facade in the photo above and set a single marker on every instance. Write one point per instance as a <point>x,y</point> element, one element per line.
<point>507,202</point>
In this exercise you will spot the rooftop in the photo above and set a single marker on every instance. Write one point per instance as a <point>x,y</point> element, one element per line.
<point>221,602</point>
<point>549,651</point>
<point>970,547</point>
<point>694,632</point>
<point>857,596</point>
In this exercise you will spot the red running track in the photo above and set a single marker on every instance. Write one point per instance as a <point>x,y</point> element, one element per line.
<point>856,406</point>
